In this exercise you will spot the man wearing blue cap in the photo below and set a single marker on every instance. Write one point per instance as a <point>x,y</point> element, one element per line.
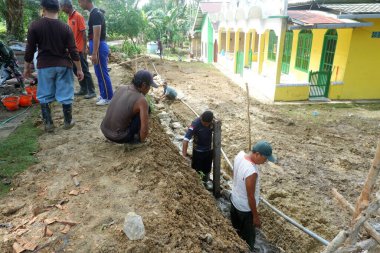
<point>126,119</point>
<point>246,190</point>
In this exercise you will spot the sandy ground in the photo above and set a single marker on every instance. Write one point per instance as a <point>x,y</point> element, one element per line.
<point>332,149</point>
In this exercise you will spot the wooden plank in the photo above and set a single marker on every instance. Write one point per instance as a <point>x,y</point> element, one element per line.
<point>217,145</point>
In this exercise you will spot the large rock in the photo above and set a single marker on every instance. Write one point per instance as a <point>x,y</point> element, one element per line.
<point>134,226</point>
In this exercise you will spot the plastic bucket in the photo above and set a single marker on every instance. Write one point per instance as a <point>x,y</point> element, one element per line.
<point>11,103</point>
<point>25,100</point>
<point>30,89</point>
<point>34,95</point>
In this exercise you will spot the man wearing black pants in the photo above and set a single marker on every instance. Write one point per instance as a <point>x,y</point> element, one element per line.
<point>78,26</point>
<point>201,129</point>
<point>245,194</point>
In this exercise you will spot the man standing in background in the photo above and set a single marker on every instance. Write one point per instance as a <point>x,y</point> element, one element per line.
<point>99,50</point>
<point>56,52</point>
<point>78,26</point>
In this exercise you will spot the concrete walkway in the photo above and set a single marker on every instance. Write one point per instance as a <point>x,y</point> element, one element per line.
<point>8,128</point>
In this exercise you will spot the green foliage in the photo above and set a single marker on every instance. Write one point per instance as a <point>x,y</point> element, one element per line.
<point>17,151</point>
<point>150,101</point>
<point>31,12</point>
<point>169,21</point>
<point>130,49</point>
<point>123,18</point>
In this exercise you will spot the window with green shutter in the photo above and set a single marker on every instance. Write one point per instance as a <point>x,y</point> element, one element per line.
<point>305,39</point>
<point>272,46</point>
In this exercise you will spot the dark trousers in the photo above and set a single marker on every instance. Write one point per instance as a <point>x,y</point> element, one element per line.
<point>134,130</point>
<point>243,223</point>
<point>87,84</point>
<point>202,161</point>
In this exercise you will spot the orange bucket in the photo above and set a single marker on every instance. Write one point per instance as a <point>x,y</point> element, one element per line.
<point>25,100</point>
<point>34,95</point>
<point>11,103</point>
<point>30,89</point>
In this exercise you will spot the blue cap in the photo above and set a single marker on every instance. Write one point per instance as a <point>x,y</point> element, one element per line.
<point>265,149</point>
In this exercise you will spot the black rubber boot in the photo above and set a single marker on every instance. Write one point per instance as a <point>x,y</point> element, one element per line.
<point>46,115</point>
<point>67,114</point>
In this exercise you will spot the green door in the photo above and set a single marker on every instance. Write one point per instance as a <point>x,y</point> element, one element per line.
<point>287,52</point>
<point>239,62</point>
<point>320,80</point>
<point>328,52</point>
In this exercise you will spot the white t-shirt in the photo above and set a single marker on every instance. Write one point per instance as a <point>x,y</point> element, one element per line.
<point>243,168</point>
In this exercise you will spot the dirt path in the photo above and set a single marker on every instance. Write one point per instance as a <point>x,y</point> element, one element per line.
<point>178,213</point>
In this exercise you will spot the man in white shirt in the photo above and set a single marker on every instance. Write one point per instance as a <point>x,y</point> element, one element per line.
<point>246,190</point>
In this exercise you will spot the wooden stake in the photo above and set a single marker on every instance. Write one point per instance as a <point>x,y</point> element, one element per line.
<point>248,118</point>
<point>335,244</point>
<point>370,230</point>
<point>365,195</point>
<point>217,146</point>
<point>372,208</point>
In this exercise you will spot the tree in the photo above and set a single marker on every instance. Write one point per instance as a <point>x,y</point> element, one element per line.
<point>12,12</point>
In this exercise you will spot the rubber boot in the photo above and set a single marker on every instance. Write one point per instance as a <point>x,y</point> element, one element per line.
<point>68,118</point>
<point>46,115</point>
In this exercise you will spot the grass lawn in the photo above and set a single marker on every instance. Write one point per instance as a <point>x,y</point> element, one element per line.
<point>17,151</point>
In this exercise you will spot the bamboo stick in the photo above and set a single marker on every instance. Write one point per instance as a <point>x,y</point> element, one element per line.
<point>337,242</point>
<point>248,118</point>
<point>365,195</point>
<point>372,208</point>
<point>370,230</point>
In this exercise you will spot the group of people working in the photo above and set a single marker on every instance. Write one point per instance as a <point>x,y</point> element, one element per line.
<point>127,115</point>
<point>126,121</point>
<point>59,45</point>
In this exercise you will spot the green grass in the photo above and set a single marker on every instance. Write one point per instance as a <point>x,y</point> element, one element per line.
<point>17,151</point>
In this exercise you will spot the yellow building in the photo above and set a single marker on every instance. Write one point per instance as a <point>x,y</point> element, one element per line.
<point>302,50</point>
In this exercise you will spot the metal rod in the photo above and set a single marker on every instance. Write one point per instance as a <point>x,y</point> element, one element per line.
<point>294,223</point>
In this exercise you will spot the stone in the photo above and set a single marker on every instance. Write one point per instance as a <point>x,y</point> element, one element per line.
<point>134,226</point>
<point>163,115</point>
<point>176,125</point>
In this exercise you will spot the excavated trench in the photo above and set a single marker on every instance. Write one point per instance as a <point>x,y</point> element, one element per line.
<point>176,130</point>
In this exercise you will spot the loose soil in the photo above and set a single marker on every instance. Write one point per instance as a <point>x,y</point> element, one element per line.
<point>332,149</point>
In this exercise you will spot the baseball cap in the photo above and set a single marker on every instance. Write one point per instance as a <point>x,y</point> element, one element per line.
<point>144,76</point>
<point>265,149</point>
